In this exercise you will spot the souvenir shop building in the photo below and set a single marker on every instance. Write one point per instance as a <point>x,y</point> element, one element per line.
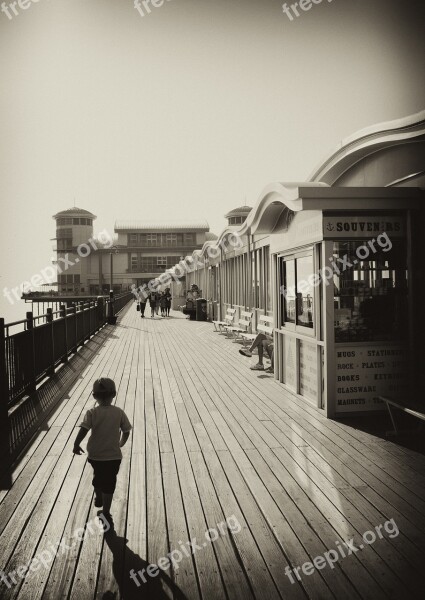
<point>338,262</point>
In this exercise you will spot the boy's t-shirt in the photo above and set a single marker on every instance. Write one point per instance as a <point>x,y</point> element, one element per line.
<point>106,424</point>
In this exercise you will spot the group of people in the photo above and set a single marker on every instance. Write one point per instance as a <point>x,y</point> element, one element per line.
<point>157,300</point>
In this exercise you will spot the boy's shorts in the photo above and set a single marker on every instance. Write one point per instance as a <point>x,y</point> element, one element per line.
<point>105,474</point>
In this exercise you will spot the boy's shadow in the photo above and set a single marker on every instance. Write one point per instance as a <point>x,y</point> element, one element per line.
<point>124,561</point>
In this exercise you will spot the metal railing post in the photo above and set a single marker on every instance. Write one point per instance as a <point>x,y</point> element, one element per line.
<point>111,316</point>
<point>100,312</point>
<point>74,312</point>
<point>4,374</point>
<point>65,330</point>
<point>30,328</point>
<point>49,319</point>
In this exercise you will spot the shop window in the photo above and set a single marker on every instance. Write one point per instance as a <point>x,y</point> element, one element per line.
<point>258,279</point>
<point>289,297</point>
<point>161,261</point>
<point>370,296</point>
<point>267,279</point>
<point>305,291</point>
<point>297,307</point>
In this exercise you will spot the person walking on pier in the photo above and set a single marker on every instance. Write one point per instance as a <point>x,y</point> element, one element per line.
<point>163,304</point>
<point>110,429</point>
<point>142,304</point>
<point>167,302</point>
<point>153,299</point>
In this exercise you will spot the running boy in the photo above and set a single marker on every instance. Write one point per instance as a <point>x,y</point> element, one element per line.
<point>105,443</point>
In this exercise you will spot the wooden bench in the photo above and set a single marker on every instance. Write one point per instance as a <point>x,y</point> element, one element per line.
<point>414,411</point>
<point>244,324</point>
<point>228,320</point>
<point>265,325</point>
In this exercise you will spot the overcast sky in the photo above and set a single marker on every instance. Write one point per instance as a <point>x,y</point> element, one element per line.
<point>188,111</point>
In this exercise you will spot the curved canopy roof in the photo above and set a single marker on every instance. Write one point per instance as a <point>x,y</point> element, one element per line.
<point>367,142</point>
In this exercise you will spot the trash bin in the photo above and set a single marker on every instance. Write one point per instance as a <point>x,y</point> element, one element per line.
<point>201,309</point>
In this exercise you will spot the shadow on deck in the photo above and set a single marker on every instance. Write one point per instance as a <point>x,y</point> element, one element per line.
<point>250,492</point>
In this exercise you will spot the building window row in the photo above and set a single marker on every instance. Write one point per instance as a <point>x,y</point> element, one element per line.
<point>63,233</point>
<point>161,239</point>
<point>64,279</point>
<point>63,245</point>
<point>151,264</point>
<point>74,221</point>
<point>236,220</point>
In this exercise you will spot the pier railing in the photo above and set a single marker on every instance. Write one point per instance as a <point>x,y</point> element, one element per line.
<point>46,341</point>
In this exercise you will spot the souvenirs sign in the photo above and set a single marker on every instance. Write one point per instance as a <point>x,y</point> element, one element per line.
<point>363,227</point>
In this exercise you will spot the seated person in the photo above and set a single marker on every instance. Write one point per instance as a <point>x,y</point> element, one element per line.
<point>262,342</point>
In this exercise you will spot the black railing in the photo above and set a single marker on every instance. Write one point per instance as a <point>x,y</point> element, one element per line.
<point>30,355</point>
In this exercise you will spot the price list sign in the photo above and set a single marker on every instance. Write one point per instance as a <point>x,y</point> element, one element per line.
<point>365,372</point>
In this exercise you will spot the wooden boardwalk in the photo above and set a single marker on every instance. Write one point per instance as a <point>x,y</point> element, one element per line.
<point>212,442</point>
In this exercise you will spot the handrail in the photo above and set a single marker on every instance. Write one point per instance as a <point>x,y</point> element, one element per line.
<point>30,355</point>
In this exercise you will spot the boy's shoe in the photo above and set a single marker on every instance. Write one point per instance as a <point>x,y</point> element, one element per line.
<point>245,352</point>
<point>108,519</point>
<point>98,501</point>
<point>257,367</point>
<point>270,370</point>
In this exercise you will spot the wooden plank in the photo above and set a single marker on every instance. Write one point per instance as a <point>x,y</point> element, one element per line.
<point>184,571</point>
<point>157,536</point>
<point>331,525</point>
<point>229,562</point>
<point>254,543</point>
<point>210,582</point>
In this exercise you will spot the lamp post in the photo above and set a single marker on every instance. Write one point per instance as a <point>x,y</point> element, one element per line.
<point>111,316</point>
<point>113,250</point>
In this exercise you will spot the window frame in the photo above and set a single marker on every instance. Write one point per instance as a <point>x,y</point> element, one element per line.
<point>288,325</point>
